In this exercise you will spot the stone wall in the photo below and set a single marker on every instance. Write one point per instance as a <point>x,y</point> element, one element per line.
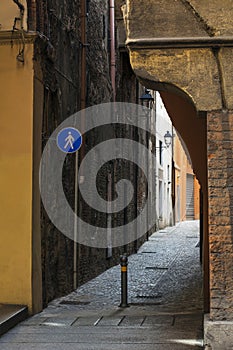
<point>99,89</point>
<point>57,62</point>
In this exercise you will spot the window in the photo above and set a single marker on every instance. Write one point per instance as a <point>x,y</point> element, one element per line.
<point>160,153</point>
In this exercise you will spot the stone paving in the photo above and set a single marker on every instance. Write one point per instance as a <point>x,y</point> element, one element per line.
<point>165,297</point>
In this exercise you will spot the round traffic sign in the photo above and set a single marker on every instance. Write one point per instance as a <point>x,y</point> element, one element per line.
<point>69,140</point>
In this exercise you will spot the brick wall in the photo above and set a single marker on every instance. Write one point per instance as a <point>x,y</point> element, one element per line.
<point>220,177</point>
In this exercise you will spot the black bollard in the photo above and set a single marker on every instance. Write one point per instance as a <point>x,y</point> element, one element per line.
<point>124,282</point>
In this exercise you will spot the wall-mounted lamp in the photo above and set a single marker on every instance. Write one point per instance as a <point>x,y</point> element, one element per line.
<point>168,139</point>
<point>146,99</point>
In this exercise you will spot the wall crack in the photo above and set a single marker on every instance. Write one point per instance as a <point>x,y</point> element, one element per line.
<point>209,30</point>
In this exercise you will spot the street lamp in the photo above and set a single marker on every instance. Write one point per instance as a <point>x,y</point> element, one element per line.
<point>146,99</point>
<point>168,139</point>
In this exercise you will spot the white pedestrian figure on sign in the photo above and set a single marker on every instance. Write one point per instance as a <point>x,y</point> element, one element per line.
<point>69,140</point>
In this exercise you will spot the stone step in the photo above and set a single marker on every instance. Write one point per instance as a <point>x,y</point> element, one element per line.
<point>10,315</point>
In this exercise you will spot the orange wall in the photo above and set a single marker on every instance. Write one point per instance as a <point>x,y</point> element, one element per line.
<point>182,168</point>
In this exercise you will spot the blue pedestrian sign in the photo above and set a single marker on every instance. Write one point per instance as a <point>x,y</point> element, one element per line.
<point>69,140</point>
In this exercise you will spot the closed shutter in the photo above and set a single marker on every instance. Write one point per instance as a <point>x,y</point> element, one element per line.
<point>189,197</point>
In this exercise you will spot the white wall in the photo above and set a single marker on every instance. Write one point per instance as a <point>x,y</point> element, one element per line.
<point>164,165</point>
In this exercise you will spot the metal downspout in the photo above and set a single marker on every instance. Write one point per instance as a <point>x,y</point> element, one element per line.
<point>112,47</point>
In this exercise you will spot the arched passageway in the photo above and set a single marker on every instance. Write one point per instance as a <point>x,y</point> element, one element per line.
<point>192,128</point>
<point>189,47</point>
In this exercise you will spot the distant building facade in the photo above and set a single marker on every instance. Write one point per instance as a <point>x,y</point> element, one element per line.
<point>164,156</point>
<point>186,185</point>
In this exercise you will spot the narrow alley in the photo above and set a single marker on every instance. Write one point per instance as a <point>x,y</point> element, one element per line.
<point>165,297</point>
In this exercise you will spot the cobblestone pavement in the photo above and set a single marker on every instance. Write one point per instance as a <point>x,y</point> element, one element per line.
<point>165,297</point>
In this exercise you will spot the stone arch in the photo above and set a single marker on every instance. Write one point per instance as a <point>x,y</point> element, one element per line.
<point>192,126</point>
<point>192,73</point>
<point>188,121</point>
<point>189,44</point>
<point>188,107</point>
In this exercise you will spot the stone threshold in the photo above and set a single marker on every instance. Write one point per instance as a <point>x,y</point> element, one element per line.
<point>218,335</point>
<point>11,315</point>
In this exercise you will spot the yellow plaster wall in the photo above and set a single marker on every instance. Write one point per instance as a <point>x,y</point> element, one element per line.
<point>16,102</point>
<point>8,11</point>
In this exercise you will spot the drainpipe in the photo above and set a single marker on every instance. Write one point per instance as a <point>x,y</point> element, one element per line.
<point>83,53</point>
<point>83,10</point>
<point>112,47</point>
<point>112,60</point>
